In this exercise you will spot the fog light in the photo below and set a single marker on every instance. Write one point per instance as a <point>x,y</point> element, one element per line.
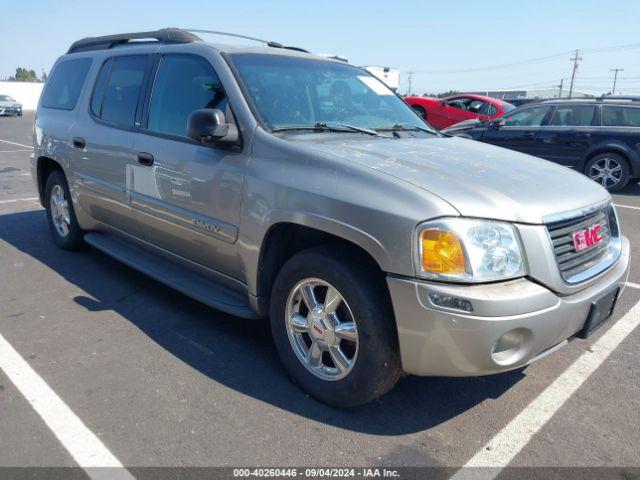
<point>448,301</point>
<point>512,347</point>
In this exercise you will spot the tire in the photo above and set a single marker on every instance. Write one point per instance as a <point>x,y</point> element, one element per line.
<point>64,227</point>
<point>617,172</point>
<point>374,359</point>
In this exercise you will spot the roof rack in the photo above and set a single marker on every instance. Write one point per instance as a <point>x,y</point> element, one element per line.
<point>633,98</point>
<point>246,37</point>
<point>164,35</point>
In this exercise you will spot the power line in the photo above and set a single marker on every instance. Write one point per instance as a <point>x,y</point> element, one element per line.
<point>530,61</point>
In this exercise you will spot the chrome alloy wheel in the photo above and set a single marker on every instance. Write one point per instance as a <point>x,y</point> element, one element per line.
<point>606,171</point>
<point>321,329</point>
<point>59,206</point>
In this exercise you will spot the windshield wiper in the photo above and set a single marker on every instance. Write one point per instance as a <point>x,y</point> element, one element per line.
<point>325,127</point>
<point>407,127</point>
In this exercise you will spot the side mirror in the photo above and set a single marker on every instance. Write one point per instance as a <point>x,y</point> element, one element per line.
<point>208,125</point>
<point>497,123</point>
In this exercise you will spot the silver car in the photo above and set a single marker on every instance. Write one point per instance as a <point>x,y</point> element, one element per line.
<point>8,106</point>
<point>269,182</point>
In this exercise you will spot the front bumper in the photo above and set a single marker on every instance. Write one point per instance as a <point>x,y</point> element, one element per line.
<point>444,342</point>
<point>10,110</point>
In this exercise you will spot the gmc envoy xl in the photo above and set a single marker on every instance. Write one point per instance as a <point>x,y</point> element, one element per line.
<point>269,182</point>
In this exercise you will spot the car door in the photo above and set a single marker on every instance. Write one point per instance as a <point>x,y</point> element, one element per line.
<point>104,143</point>
<point>187,195</point>
<point>436,113</point>
<point>517,129</point>
<point>456,111</point>
<point>567,136</point>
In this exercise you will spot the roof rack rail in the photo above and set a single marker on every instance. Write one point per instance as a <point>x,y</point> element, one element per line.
<point>246,37</point>
<point>633,98</point>
<point>164,35</point>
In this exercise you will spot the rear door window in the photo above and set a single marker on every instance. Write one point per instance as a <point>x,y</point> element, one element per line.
<point>65,83</point>
<point>573,116</point>
<point>99,87</point>
<point>123,90</point>
<point>620,116</point>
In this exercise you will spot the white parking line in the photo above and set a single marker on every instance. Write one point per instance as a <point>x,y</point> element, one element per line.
<point>633,285</point>
<point>18,144</point>
<point>12,151</point>
<point>14,200</point>
<point>85,448</point>
<point>504,446</point>
<point>626,206</point>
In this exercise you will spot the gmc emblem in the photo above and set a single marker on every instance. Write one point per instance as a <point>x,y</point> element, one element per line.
<point>586,238</point>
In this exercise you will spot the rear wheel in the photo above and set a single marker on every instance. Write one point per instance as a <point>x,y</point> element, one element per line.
<point>610,170</point>
<point>60,214</point>
<point>333,327</point>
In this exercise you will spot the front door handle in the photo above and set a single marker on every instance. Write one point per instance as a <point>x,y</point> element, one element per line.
<point>79,142</point>
<point>583,135</point>
<point>528,135</point>
<point>145,159</point>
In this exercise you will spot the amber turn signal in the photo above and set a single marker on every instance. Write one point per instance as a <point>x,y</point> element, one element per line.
<point>442,252</point>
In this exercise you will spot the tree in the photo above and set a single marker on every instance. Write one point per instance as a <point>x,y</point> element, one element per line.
<point>24,75</point>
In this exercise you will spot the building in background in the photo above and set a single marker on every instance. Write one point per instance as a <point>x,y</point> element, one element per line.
<point>521,94</point>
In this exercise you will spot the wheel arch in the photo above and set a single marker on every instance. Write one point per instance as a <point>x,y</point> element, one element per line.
<point>610,148</point>
<point>45,166</point>
<point>285,239</point>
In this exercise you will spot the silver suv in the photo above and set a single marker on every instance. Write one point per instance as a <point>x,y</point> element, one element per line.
<point>269,182</point>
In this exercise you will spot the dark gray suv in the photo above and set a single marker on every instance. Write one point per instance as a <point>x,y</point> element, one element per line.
<point>269,182</point>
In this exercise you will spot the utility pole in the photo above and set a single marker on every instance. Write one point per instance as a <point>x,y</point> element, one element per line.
<point>615,78</point>
<point>560,88</point>
<point>576,58</point>
<point>410,77</point>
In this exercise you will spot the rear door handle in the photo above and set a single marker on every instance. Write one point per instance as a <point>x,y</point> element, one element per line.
<point>145,159</point>
<point>529,134</point>
<point>583,135</point>
<point>79,142</point>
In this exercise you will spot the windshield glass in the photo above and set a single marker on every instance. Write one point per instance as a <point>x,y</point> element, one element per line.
<point>303,92</point>
<point>5,98</point>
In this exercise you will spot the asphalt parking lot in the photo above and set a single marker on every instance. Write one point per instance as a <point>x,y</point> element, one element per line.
<point>161,380</point>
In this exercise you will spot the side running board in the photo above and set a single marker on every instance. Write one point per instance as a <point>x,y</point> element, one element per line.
<point>175,276</point>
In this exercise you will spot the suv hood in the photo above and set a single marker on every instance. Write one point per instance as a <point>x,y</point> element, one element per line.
<point>8,103</point>
<point>477,179</point>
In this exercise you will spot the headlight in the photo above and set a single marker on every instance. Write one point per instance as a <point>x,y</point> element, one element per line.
<point>468,250</point>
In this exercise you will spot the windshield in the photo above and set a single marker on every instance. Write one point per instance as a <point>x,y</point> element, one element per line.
<point>5,98</point>
<point>304,92</point>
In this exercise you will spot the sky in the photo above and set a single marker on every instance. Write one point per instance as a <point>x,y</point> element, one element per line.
<point>450,45</point>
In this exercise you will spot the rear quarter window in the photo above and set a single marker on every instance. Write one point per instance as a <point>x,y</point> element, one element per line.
<point>65,84</point>
<point>620,116</point>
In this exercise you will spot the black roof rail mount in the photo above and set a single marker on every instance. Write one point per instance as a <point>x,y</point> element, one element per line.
<point>164,35</point>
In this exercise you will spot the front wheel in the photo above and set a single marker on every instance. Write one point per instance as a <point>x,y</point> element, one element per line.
<point>610,170</point>
<point>333,327</point>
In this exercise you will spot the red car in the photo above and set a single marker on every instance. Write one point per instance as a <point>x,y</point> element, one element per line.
<point>444,112</point>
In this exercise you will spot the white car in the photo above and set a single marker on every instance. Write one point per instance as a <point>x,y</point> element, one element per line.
<point>8,106</point>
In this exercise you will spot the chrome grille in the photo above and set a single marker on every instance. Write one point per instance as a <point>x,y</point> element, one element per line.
<point>571,262</point>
